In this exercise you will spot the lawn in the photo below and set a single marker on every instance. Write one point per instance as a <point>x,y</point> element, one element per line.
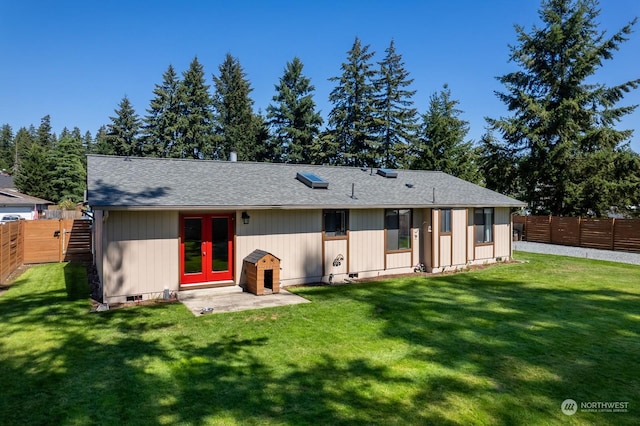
<point>502,345</point>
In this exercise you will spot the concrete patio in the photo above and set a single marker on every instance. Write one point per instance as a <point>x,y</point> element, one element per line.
<point>231,299</point>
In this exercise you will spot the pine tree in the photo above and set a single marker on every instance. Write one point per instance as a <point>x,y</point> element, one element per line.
<point>236,127</point>
<point>7,150</point>
<point>293,117</point>
<point>34,172</point>
<point>441,145</point>
<point>160,128</point>
<point>395,118</point>
<point>122,133</point>
<point>87,143</point>
<point>562,132</point>
<point>22,143</point>
<point>102,145</point>
<point>45,136</point>
<point>194,128</point>
<point>68,175</point>
<point>351,121</point>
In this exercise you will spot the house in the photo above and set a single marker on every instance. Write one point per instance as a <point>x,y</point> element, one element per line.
<point>168,225</point>
<point>14,203</point>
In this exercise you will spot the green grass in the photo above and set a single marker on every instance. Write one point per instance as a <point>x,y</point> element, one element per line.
<point>503,345</point>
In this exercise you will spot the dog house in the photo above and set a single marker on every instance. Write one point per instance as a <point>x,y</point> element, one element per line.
<point>262,271</point>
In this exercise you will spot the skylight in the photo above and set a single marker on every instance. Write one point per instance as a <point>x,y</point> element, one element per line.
<point>311,180</point>
<point>388,173</point>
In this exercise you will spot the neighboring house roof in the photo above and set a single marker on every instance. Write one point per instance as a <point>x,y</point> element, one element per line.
<point>153,183</point>
<point>6,181</point>
<point>10,197</point>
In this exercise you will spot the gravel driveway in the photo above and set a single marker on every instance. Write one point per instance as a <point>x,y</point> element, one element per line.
<point>613,256</point>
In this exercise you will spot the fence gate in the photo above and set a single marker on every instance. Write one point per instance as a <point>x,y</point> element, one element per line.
<point>62,240</point>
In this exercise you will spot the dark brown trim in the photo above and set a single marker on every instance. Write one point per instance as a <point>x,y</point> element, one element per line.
<point>348,254</point>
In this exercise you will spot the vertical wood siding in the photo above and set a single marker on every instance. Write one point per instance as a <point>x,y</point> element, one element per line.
<point>293,236</point>
<point>366,240</point>
<point>333,249</point>
<point>140,253</point>
<point>459,236</point>
<point>502,230</point>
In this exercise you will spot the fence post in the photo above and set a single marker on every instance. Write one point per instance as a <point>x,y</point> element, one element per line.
<point>613,233</point>
<point>60,240</point>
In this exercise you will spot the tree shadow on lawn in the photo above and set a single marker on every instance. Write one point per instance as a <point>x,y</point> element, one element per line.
<point>147,366</point>
<point>515,348</point>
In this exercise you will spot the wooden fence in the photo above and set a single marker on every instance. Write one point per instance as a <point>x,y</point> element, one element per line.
<point>43,241</point>
<point>606,234</point>
<point>11,248</point>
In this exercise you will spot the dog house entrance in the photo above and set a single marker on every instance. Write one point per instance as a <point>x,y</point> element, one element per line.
<point>268,279</point>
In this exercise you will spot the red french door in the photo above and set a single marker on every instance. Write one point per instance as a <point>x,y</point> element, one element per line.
<point>206,248</point>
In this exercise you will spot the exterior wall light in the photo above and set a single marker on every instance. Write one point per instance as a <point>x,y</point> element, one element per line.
<point>245,218</point>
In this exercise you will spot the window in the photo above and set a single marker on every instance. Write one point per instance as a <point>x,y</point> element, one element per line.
<point>398,225</point>
<point>483,221</point>
<point>336,223</point>
<point>445,220</point>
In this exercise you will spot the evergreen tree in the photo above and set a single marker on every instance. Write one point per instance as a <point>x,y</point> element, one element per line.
<point>497,168</point>
<point>161,123</point>
<point>102,144</point>
<point>293,117</point>
<point>45,136</point>
<point>395,118</point>
<point>34,172</point>
<point>441,145</point>
<point>351,121</point>
<point>87,143</point>
<point>68,175</point>
<point>122,133</point>
<point>21,143</point>
<point>194,128</point>
<point>562,132</point>
<point>7,151</point>
<point>236,126</point>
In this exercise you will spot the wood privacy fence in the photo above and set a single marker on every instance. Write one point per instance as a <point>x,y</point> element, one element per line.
<point>607,234</point>
<point>11,248</point>
<point>43,241</point>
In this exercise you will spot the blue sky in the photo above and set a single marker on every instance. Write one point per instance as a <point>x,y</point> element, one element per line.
<point>75,60</point>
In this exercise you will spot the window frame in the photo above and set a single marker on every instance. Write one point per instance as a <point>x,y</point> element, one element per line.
<point>445,219</point>
<point>331,235</point>
<point>487,228</point>
<point>400,235</point>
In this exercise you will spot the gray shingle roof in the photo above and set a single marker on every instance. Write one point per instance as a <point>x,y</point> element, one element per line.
<point>152,183</point>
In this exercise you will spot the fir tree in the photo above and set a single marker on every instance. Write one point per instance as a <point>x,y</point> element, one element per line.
<point>34,172</point>
<point>236,127</point>
<point>194,127</point>
<point>441,145</point>
<point>293,118</point>
<point>7,151</point>
<point>160,128</point>
<point>351,121</point>
<point>394,116</point>
<point>102,145</point>
<point>69,175</point>
<point>562,132</point>
<point>45,136</point>
<point>22,143</point>
<point>122,133</point>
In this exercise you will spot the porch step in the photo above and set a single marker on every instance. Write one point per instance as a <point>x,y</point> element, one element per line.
<point>207,292</point>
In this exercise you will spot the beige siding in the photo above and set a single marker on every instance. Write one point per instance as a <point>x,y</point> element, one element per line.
<point>140,254</point>
<point>471,245</point>
<point>98,242</point>
<point>399,260</point>
<point>484,252</point>
<point>435,238</point>
<point>294,236</point>
<point>334,250</point>
<point>445,250</point>
<point>366,240</point>
<point>459,236</point>
<point>502,235</point>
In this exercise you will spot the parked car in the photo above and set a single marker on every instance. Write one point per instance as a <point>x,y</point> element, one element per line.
<point>10,218</point>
